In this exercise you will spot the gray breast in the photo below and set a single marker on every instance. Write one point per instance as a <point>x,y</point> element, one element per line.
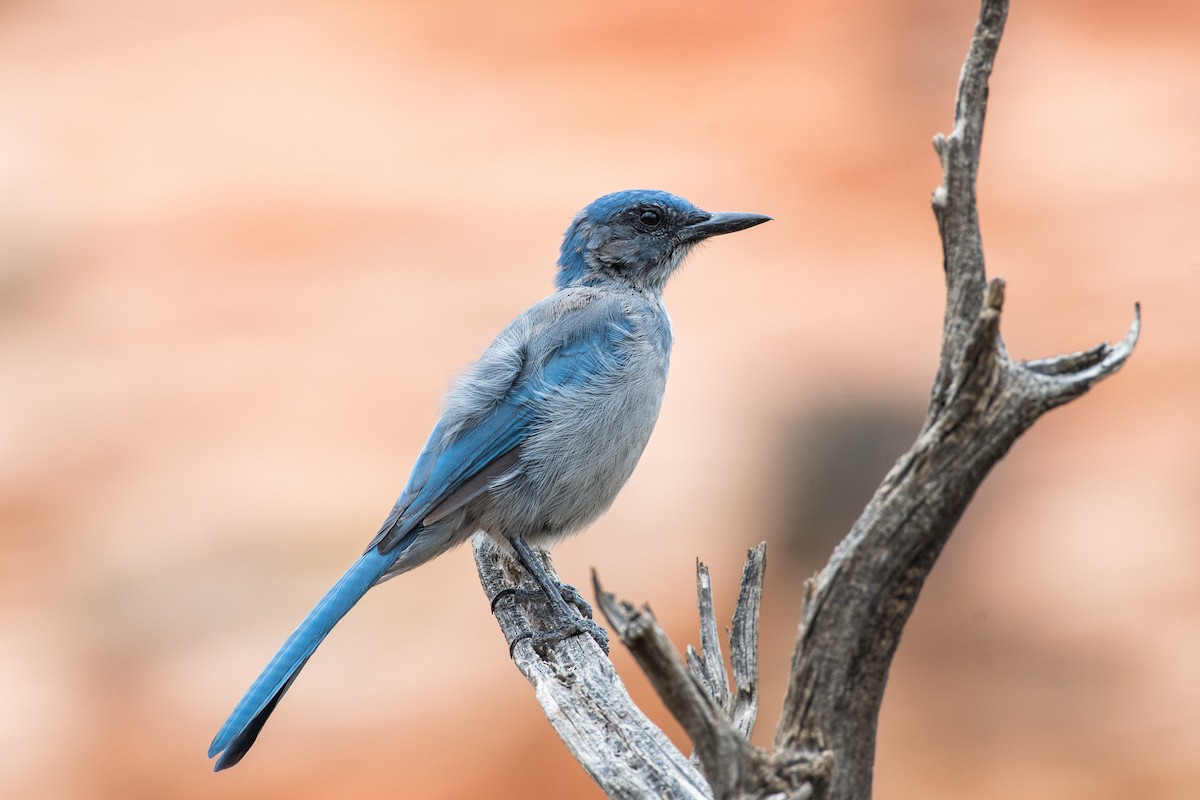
<point>589,437</point>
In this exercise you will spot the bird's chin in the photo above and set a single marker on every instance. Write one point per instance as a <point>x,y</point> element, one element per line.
<point>658,275</point>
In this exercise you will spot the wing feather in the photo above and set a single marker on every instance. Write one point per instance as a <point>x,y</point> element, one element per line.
<point>498,402</point>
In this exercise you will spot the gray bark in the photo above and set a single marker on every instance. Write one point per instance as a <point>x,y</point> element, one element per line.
<point>857,606</point>
<point>585,701</point>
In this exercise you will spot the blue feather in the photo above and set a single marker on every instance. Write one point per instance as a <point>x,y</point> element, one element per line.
<point>576,348</point>
<point>247,719</point>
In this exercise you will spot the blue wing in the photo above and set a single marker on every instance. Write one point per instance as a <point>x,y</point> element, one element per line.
<point>544,353</point>
<point>567,352</point>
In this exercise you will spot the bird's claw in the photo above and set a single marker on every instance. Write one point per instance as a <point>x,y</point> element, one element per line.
<point>575,598</point>
<point>500,595</point>
<point>543,640</point>
<point>569,593</point>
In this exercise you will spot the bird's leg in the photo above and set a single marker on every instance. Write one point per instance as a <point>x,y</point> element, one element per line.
<point>567,604</point>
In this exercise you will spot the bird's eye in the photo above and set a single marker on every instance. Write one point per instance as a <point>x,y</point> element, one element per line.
<point>649,218</point>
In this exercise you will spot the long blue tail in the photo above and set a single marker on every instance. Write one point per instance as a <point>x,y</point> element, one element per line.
<point>248,718</point>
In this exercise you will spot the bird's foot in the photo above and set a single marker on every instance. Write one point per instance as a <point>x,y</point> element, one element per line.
<point>567,613</point>
<point>563,611</point>
<point>543,640</point>
<point>575,598</point>
<point>516,594</point>
<point>569,593</point>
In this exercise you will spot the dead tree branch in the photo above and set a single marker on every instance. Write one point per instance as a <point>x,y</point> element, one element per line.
<point>857,606</point>
<point>585,701</point>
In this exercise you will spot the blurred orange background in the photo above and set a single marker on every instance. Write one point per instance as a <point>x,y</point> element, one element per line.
<point>245,246</point>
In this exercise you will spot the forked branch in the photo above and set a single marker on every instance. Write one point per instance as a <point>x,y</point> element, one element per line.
<point>857,606</point>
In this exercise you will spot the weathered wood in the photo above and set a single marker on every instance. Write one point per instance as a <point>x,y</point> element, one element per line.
<point>743,643</point>
<point>708,666</point>
<point>980,404</point>
<point>584,699</point>
<point>698,694</point>
<point>856,607</point>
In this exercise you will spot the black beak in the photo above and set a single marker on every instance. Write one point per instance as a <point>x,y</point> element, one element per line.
<point>706,225</point>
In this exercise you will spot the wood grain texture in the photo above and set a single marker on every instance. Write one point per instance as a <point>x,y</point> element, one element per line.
<point>856,607</point>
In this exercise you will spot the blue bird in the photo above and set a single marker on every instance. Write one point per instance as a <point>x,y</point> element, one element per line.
<point>536,437</point>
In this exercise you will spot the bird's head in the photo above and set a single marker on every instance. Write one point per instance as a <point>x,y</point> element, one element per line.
<point>639,237</point>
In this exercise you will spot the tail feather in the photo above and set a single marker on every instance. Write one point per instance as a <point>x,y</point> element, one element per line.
<point>248,717</point>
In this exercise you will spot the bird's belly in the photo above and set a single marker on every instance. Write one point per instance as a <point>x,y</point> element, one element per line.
<point>578,458</point>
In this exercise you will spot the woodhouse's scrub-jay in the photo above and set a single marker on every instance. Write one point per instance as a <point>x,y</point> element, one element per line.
<point>538,435</point>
